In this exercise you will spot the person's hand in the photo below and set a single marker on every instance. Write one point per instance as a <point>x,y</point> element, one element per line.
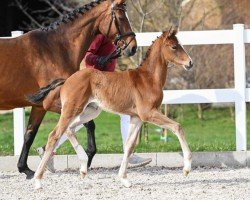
<point>103,61</point>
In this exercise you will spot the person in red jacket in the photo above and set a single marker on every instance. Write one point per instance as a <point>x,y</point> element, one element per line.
<point>98,57</point>
<point>98,52</point>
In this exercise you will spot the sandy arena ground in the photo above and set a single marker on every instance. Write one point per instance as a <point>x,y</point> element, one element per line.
<point>148,183</point>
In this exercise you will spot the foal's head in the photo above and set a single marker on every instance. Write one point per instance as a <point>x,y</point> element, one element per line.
<point>115,24</point>
<point>173,51</point>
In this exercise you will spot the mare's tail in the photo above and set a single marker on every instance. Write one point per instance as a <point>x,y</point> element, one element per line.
<point>43,92</point>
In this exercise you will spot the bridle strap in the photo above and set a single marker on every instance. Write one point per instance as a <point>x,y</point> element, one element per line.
<point>112,18</point>
<point>117,52</point>
<point>120,36</point>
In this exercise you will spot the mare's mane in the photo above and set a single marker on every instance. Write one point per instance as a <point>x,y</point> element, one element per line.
<point>72,15</point>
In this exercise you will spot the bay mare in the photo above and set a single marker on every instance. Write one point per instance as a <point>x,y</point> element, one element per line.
<point>137,93</point>
<point>36,58</point>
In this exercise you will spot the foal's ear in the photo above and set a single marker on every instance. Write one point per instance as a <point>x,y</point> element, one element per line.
<point>172,31</point>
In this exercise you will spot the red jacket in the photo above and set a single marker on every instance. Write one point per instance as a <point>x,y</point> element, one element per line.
<point>101,46</point>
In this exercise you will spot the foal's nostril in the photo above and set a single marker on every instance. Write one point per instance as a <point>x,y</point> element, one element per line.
<point>191,64</point>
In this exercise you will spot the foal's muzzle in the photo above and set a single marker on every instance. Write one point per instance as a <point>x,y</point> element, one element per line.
<point>190,66</point>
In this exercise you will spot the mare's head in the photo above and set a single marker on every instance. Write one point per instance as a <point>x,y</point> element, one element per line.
<point>115,24</point>
<point>173,52</point>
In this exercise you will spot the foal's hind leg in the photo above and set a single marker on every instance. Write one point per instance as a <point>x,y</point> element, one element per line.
<point>159,119</point>
<point>90,112</point>
<point>81,154</point>
<point>68,114</point>
<point>53,137</point>
<point>135,125</point>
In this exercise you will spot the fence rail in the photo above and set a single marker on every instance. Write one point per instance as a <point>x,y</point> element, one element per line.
<point>239,95</point>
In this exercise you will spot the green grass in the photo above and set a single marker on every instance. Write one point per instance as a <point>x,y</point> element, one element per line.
<point>215,133</point>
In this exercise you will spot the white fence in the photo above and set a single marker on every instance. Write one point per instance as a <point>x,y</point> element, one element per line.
<point>238,95</point>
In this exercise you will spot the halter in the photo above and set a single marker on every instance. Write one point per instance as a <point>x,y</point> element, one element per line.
<point>119,37</point>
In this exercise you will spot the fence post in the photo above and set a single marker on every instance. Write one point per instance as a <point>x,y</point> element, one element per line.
<point>19,119</point>
<point>240,87</point>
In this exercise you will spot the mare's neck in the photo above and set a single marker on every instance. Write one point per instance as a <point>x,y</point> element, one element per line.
<point>75,37</point>
<point>154,65</point>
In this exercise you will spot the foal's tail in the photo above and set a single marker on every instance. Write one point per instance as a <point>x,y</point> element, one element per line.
<point>43,92</point>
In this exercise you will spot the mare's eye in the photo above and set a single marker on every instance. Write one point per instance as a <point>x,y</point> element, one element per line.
<point>121,18</point>
<point>174,47</point>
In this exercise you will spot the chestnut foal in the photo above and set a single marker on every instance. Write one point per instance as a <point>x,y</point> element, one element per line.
<point>137,93</point>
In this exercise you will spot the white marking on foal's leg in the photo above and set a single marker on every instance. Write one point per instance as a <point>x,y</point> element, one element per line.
<point>135,125</point>
<point>83,157</point>
<point>123,171</point>
<point>41,167</point>
<point>38,184</point>
<point>125,182</point>
<point>90,112</point>
<point>187,166</point>
<point>187,155</point>
<point>81,154</point>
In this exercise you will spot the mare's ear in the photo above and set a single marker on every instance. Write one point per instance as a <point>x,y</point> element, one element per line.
<point>172,31</point>
<point>119,1</point>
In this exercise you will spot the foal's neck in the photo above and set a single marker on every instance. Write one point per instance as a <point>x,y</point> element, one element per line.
<point>76,36</point>
<point>155,65</point>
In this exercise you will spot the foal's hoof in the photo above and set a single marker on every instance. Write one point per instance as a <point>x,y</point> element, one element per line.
<point>83,174</point>
<point>126,183</point>
<point>187,167</point>
<point>185,172</point>
<point>38,184</point>
<point>83,170</point>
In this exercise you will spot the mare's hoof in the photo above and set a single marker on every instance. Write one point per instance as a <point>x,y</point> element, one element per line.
<point>90,157</point>
<point>29,173</point>
<point>126,183</point>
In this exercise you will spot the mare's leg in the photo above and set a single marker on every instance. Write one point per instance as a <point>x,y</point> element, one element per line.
<point>135,125</point>
<point>159,119</point>
<point>81,154</point>
<point>35,120</point>
<point>91,150</point>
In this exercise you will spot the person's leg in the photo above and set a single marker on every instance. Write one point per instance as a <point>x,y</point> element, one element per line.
<point>134,160</point>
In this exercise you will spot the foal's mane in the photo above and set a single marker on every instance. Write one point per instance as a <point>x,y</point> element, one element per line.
<point>150,48</point>
<point>72,15</point>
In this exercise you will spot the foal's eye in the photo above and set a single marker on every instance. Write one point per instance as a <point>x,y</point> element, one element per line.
<point>174,47</point>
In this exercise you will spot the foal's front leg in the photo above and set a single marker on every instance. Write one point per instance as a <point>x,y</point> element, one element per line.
<point>159,119</point>
<point>135,125</point>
